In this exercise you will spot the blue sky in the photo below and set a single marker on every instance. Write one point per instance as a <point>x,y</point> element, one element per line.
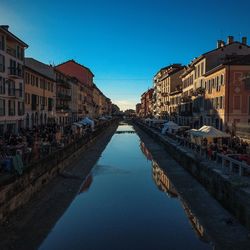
<point>124,42</point>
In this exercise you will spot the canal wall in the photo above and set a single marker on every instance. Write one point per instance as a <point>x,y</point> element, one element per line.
<point>16,191</point>
<point>230,191</point>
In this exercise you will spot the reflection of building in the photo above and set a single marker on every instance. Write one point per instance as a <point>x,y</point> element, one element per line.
<point>87,183</point>
<point>199,229</point>
<point>162,180</point>
<point>11,81</point>
<point>165,185</point>
<point>145,151</point>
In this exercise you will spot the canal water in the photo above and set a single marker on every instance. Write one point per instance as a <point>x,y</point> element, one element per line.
<point>127,202</point>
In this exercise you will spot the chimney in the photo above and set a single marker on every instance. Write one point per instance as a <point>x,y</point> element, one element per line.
<point>230,39</point>
<point>220,43</point>
<point>244,40</point>
<point>6,27</point>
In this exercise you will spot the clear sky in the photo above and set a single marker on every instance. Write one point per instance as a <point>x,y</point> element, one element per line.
<point>124,42</point>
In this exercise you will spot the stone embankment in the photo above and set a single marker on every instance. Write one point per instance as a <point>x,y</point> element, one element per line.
<point>231,190</point>
<point>16,191</point>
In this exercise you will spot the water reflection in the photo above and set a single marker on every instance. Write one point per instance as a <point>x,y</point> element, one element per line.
<point>120,206</point>
<point>86,184</point>
<point>162,181</point>
<point>164,184</point>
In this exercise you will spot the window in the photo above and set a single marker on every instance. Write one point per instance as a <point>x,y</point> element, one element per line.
<point>247,83</point>
<point>20,89</point>
<point>51,87</point>
<point>20,108</point>
<point>33,102</point>
<point>50,104</point>
<point>237,103</point>
<point>222,79</point>
<point>41,83</point>
<point>26,98</point>
<point>32,80</point>
<point>37,81</point>
<point>2,85</point>
<point>27,78</point>
<point>2,107</point>
<point>18,52</point>
<point>12,108</point>
<point>2,42</point>
<point>11,88</point>
<point>202,68</point>
<point>221,102</point>
<point>2,63</point>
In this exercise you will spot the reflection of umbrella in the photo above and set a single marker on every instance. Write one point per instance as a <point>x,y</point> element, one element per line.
<point>87,183</point>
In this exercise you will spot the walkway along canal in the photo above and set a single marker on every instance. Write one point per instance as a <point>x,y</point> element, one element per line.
<point>127,202</point>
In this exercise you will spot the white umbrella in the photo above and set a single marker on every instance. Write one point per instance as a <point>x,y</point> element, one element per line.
<point>209,131</point>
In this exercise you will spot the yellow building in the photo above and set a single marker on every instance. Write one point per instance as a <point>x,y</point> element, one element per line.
<point>40,92</point>
<point>165,81</point>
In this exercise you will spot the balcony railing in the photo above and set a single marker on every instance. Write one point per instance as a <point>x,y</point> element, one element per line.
<point>186,99</point>
<point>63,83</point>
<point>63,96</point>
<point>62,108</point>
<point>199,91</point>
<point>15,72</point>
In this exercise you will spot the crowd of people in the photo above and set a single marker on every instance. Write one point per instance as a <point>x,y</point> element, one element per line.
<point>33,144</point>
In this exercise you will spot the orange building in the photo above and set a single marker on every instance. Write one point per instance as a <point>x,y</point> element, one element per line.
<point>146,109</point>
<point>227,95</point>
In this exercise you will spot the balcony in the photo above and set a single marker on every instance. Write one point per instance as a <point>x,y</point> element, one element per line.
<point>63,96</point>
<point>15,73</point>
<point>199,92</point>
<point>185,99</point>
<point>63,83</point>
<point>62,108</point>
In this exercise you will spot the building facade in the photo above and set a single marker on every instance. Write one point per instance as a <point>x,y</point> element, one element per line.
<point>86,85</point>
<point>40,93</point>
<point>11,82</point>
<point>227,96</point>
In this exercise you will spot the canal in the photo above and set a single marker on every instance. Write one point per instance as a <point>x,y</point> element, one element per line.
<point>127,202</point>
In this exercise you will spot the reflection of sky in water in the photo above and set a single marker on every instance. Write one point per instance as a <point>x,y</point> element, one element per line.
<point>123,208</point>
<point>125,127</point>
